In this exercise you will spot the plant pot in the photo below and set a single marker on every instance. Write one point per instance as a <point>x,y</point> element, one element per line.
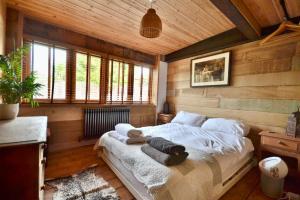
<point>9,111</point>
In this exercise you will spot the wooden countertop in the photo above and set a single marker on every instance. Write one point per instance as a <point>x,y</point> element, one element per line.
<point>23,130</point>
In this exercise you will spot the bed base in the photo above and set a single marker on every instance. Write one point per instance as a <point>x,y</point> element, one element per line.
<point>230,182</point>
<point>141,195</point>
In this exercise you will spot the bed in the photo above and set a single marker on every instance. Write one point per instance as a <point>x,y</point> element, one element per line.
<point>216,161</point>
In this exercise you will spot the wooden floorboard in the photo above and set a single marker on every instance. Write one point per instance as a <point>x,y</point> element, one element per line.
<point>68,162</point>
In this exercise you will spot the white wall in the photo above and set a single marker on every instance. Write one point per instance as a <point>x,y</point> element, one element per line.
<point>162,85</point>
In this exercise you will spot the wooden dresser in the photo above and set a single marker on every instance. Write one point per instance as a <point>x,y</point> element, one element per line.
<point>22,144</point>
<point>281,145</point>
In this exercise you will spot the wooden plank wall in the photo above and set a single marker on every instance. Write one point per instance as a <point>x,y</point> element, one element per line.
<point>264,90</point>
<point>2,26</point>
<point>66,121</point>
<point>14,30</point>
<point>37,30</point>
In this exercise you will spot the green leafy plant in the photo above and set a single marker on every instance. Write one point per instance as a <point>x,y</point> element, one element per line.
<point>12,88</point>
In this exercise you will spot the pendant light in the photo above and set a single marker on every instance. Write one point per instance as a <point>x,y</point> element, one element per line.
<point>151,25</point>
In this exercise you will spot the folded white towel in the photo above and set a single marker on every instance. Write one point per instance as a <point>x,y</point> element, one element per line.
<point>125,139</point>
<point>128,130</point>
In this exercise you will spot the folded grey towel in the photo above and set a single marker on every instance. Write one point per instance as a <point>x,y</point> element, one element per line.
<point>165,146</point>
<point>163,158</point>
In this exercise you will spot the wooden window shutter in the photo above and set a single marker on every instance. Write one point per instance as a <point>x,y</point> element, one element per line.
<point>73,75</point>
<point>69,89</point>
<point>104,79</point>
<point>130,82</point>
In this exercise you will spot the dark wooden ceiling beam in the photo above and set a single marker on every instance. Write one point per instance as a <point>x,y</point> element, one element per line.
<point>223,40</point>
<point>238,13</point>
<point>227,39</point>
<point>270,29</point>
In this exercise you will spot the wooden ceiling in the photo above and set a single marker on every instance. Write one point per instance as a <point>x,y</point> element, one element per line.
<point>185,22</point>
<point>269,12</point>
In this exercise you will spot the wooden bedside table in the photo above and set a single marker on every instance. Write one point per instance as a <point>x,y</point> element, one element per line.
<point>280,144</point>
<point>164,118</point>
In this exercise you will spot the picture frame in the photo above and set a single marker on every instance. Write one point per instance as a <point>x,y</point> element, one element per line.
<point>212,70</point>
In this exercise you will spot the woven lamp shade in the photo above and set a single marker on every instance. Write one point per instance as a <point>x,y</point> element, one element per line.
<point>151,26</point>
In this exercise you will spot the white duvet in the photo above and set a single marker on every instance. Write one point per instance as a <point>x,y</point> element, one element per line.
<point>197,138</point>
<point>197,177</point>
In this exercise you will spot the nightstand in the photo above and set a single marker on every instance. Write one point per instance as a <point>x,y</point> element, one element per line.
<point>164,118</point>
<point>280,144</point>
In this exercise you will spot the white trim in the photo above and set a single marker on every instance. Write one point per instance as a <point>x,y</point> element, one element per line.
<point>162,86</point>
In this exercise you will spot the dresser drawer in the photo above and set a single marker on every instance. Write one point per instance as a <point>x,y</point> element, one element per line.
<point>280,143</point>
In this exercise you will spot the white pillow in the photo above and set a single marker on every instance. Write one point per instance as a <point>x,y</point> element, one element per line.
<point>188,118</point>
<point>227,126</point>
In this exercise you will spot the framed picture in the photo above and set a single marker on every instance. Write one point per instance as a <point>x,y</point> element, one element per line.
<point>210,71</point>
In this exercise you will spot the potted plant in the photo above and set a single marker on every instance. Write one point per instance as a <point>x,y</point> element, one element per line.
<point>14,89</point>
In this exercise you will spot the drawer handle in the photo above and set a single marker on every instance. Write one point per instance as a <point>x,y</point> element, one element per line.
<point>281,143</point>
<point>43,161</point>
<point>44,146</point>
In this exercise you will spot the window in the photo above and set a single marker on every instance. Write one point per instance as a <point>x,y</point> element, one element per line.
<point>118,81</point>
<point>50,65</point>
<point>60,73</point>
<point>40,65</point>
<point>88,76</point>
<point>95,71</point>
<point>81,71</point>
<point>141,84</point>
<point>93,79</point>
<point>137,83</point>
<point>146,84</point>
<point>128,82</point>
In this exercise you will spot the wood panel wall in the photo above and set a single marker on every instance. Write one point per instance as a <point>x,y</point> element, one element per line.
<point>264,89</point>
<point>14,30</point>
<point>66,122</point>
<point>37,30</point>
<point>2,26</point>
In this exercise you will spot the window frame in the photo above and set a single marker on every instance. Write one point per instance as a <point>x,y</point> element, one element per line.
<point>109,87</point>
<point>140,101</point>
<point>88,66</point>
<point>71,75</point>
<point>27,68</point>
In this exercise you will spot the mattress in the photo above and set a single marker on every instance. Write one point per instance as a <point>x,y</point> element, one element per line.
<point>230,164</point>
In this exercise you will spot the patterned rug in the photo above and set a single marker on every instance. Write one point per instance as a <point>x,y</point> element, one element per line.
<point>83,186</point>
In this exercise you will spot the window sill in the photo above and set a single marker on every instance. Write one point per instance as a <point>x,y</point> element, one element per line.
<point>41,104</point>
